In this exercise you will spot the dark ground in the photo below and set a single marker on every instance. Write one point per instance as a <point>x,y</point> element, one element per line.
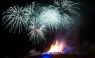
<point>65,56</point>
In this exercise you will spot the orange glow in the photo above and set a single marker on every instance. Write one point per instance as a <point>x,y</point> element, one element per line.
<point>57,47</point>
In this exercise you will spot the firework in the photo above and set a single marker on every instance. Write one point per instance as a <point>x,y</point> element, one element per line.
<point>32,10</point>
<point>15,17</point>
<point>37,31</point>
<point>66,21</point>
<point>66,5</point>
<point>50,17</point>
<point>37,20</point>
<point>63,6</point>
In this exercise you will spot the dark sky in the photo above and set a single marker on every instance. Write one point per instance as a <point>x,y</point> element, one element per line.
<point>19,43</point>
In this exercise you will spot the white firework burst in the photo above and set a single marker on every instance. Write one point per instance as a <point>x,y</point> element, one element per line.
<point>15,17</point>
<point>37,31</point>
<point>66,5</point>
<point>50,17</point>
<point>32,10</point>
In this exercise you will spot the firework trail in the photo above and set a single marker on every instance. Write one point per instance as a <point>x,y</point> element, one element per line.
<point>15,17</point>
<point>37,31</point>
<point>66,21</point>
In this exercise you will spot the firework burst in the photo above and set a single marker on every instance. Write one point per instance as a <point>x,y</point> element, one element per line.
<point>63,6</point>
<point>50,17</point>
<point>32,10</point>
<point>15,17</point>
<point>66,5</point>
<point>37,31</point>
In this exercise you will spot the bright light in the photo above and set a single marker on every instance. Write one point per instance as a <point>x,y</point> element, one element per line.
<point>46,56</point>
<point>57,47</point>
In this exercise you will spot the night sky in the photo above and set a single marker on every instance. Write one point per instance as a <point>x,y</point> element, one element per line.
<point>83,30</point>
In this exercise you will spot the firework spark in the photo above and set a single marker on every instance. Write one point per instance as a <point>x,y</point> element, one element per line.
<point>15,17</point>
<point>37,31</point>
